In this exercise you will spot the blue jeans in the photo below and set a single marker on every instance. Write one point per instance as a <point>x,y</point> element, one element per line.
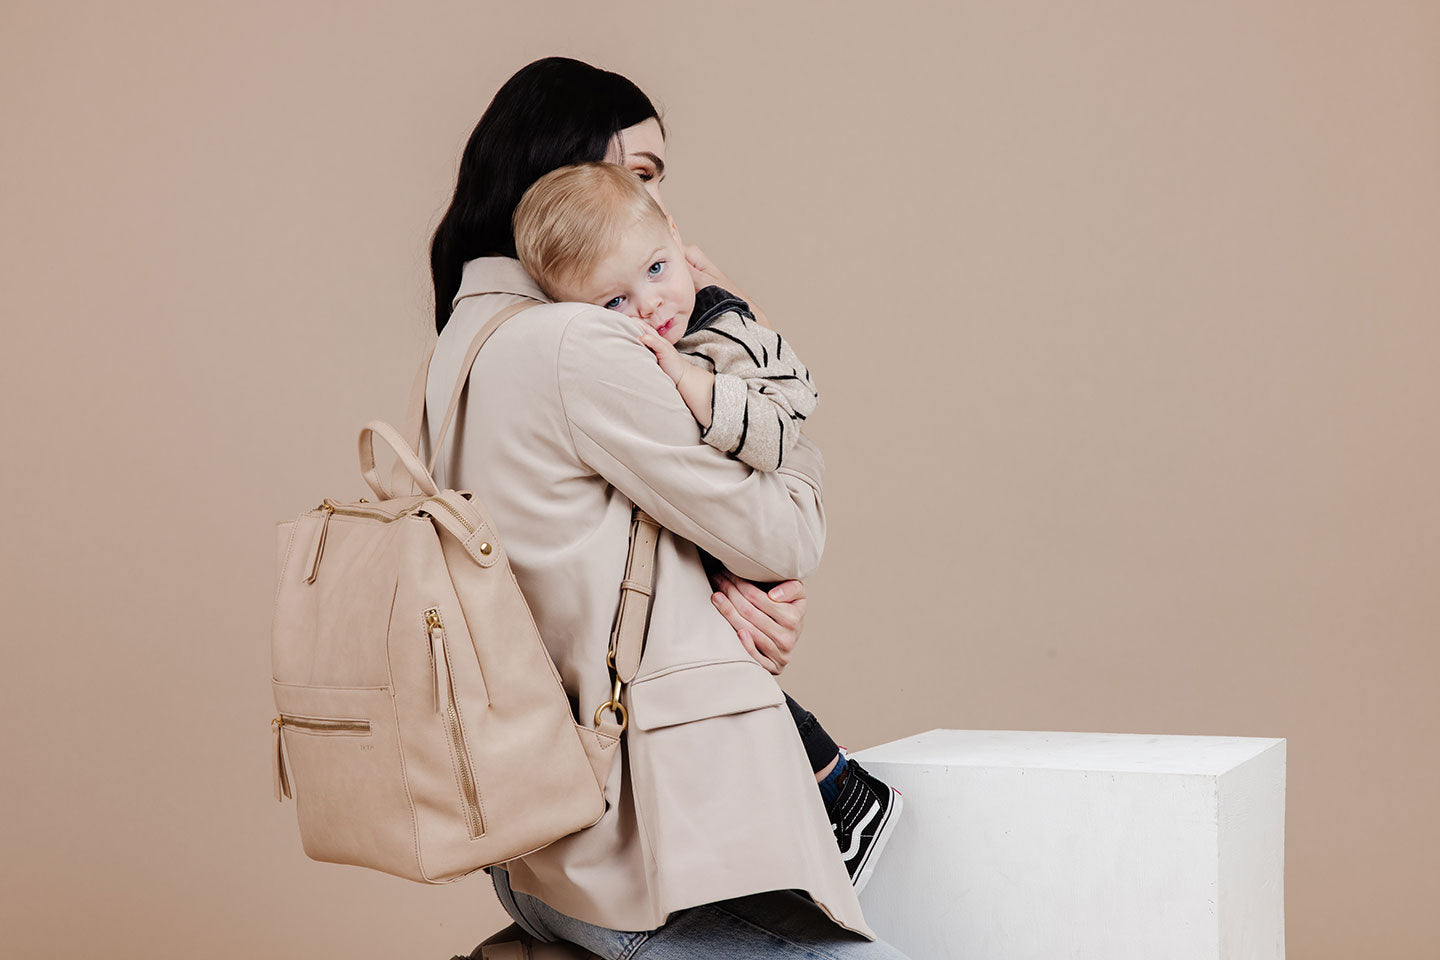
<point>777,923</point>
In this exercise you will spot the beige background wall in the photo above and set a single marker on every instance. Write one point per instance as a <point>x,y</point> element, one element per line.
<point>1151,444</point>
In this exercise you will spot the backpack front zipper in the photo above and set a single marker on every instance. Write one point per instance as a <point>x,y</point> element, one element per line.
<point>332,507</point>
<point>323,724</point>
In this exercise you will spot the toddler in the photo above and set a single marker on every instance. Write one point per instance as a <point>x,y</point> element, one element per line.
<point>591,233</point>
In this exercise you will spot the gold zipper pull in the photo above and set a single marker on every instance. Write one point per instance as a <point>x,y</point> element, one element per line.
<point>282,777</point>
<point>320,542</point>
<point>438,663</point>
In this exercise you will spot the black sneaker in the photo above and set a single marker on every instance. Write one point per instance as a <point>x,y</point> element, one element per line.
<point>863,818</point>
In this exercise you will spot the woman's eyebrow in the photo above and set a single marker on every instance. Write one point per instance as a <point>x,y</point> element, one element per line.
<point>659,164</point>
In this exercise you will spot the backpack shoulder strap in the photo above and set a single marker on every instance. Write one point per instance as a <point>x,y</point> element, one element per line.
<point>465,366</point>
<point>415,415</point>
<point>627,640</point>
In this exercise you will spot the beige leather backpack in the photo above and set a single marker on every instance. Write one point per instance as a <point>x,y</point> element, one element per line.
<point>423,729</point>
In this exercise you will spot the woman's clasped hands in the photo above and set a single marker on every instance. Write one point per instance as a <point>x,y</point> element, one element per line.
<point>768,624</point>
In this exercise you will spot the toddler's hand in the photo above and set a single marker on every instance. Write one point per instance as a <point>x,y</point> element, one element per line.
<point>695,385</point>
<point>668,357</point>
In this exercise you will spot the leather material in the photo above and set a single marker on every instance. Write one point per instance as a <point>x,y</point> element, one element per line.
<point>407,457</point>
<point>635,591</point>
<point>464,378</point>
<point>509,950</point>
<point>415,410</point>
<point>512,943</point>
<point>424,729</point>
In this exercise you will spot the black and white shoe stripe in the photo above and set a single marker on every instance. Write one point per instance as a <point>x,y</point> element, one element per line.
<point>863,818</point>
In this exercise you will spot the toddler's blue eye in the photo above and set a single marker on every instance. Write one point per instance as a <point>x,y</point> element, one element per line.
<point>613,304</point>
<point>656,267</point>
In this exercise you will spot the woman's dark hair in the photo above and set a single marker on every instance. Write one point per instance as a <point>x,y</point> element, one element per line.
<point>552,113</point>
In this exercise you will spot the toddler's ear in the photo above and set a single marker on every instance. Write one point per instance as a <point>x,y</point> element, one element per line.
<point>674,230</point>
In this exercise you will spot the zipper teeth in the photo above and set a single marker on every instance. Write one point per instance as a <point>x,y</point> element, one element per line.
<point>376,514</point>
<point>467,783</point>
<point>457,739</point>
<point>464,521</point>
<point>324,723</point>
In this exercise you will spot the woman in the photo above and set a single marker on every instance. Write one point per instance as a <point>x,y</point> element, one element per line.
<point>713,826</point>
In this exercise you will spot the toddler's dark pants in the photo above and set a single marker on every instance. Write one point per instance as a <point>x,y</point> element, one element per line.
<point>818,745</point>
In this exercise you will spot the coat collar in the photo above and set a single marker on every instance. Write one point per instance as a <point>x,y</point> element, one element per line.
<point>496,275</point>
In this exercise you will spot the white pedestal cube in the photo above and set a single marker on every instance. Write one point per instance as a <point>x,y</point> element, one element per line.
<point>1027,845</point>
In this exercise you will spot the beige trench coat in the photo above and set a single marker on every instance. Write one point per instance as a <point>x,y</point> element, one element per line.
<point>568,419</point>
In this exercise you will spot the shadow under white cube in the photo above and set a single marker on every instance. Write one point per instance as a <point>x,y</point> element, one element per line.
<point>1030,845</point>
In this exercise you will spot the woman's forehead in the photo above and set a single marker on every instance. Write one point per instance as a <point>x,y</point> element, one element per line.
<point>643,141</point>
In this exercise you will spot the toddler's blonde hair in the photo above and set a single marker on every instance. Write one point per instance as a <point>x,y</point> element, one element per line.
<point>571,218</point>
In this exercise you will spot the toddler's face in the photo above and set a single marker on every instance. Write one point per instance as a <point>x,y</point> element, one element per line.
<point>645,277</point>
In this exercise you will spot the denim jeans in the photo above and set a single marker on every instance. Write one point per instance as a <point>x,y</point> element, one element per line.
<point>777,923</point>
<point>818,745</point>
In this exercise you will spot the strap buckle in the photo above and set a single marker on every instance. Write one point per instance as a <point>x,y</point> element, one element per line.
<point>613,704</point>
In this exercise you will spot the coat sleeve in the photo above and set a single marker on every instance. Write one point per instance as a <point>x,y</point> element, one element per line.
<point>762,394</point>
<point>629,424</point>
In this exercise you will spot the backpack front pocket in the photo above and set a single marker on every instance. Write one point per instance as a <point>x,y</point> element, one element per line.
<point>339,750</point>
<point>324,726</point>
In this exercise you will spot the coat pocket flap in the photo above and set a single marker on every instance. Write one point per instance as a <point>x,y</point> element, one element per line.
<point>704,690</point>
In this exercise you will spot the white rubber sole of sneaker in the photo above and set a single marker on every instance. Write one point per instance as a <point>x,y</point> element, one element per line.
<point>882,837</point>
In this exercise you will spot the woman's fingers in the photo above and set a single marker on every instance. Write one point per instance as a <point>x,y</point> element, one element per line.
<point>697,258</point>
<point>788,591</point>
<point>784,603</point>
<point>772,619</point>
<point>757,656</point>
<point>772,639</point>
<point>701,279</point>
<point>768,624</point>
<point>703,270</point>
<point>745,632</point>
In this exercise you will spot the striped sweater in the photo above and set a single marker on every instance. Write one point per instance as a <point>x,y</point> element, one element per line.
<point>763,393</point>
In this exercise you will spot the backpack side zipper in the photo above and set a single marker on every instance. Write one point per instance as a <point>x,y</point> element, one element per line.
<point>446,706</point>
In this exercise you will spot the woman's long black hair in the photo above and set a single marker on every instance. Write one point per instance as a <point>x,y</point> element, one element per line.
<point>553,112</point>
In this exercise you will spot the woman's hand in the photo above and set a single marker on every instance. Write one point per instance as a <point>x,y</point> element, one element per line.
<point>768,627</point>
<point>705,273</point>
